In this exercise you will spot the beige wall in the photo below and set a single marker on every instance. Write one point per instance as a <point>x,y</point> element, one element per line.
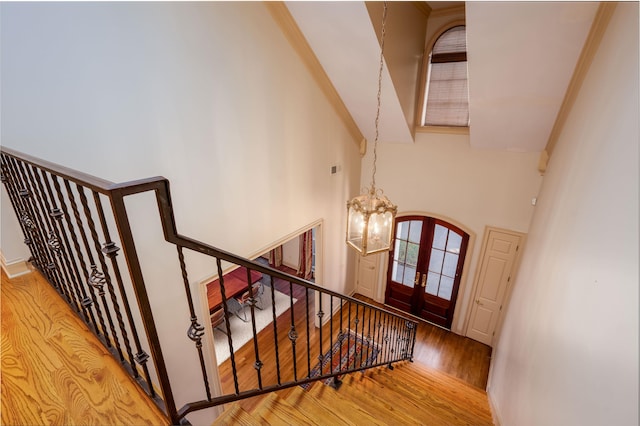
<point>209,95</point>
<point>441,175</point>
<point>404,46</point>
<point>568,352</point>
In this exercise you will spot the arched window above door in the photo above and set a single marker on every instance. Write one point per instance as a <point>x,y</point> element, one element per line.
<point>447,93</point>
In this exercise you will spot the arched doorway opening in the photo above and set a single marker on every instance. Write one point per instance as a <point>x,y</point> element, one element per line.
<point>425,268</point>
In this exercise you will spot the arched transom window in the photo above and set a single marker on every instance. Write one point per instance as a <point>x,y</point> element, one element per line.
<point>447,93</point>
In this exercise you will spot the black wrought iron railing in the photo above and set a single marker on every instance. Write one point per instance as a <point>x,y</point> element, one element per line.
<point>73,241</point>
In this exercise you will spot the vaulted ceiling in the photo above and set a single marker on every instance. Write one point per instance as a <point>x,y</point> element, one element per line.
<point>521,58</point>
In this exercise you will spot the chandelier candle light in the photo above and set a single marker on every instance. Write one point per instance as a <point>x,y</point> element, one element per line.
<point>370,216</point>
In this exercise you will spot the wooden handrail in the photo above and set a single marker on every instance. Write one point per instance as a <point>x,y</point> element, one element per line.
<point>116,192</point>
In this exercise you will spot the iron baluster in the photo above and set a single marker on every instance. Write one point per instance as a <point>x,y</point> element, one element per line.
<point>293,334</point>
<point>196,330</point>
<point>228,325</point>
<point>330,332</point>
<point>137,279</point>
<point>29,216</point>
<point>63,252</point>
<point>99,284</point>
<point>22,207</point>
<point>252,302</point>
<point>275,328</point>
<point>414,332</point>
<point>85,269</point>
<point>306,290</point>
<point>320,314</point>
<point>9,183</point>
<point>86,301</point>
<point>376,329</point>
<point>50,237</point>
<point>110,250</point>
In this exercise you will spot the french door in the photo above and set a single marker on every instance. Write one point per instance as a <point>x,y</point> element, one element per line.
<point>425,267</point>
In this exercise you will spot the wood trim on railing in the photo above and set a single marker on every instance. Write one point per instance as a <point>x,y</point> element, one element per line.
<point>292,32</point>
<point>598,28</point>
<point>91,182</point>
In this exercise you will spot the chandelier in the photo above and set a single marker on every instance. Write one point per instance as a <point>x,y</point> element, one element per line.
<point>370,215</point>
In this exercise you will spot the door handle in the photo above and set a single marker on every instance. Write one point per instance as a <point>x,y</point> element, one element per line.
<point>417,280</point>
<point>424,280</point>
<point>479,303</point>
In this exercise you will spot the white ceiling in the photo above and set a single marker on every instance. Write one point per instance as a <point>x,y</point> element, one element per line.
<point>521,58</point>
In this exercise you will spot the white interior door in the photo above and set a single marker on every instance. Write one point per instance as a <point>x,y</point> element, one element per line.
<point>498,262</point>
<point>368,275</point>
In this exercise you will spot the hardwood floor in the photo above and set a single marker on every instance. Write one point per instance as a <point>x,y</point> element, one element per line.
<point>55,371</point>
<point>408,395</point>
<point>76,381</point>
<point>450,353</point>
<point>435,347</point>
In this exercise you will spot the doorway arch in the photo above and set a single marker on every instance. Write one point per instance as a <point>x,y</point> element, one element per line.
<point>428,266</point>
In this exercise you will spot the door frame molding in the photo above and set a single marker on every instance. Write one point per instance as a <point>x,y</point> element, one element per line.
<point>465,267</point>
<point>476,279</point>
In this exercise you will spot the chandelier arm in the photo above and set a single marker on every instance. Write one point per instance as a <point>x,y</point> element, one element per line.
<point>377,121</point>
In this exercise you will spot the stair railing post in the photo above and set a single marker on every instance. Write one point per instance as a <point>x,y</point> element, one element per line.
<point>133,263</point>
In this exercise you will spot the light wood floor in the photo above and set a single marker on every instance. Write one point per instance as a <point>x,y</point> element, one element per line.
<point>77,382</point>
<point>55,371</point>
<point>435,348</point>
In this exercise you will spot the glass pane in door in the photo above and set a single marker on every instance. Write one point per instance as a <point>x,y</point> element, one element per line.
<point>407,249</point>
<point>443,262</point>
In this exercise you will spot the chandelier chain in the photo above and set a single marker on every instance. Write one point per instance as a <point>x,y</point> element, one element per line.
<point>375,142</point>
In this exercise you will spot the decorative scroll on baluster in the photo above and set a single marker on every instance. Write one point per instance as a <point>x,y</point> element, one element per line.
<point>257,365</point>
<point>71,258</point>
<point>110,250</point>
<point>10,186</point>
<point>293,336</point>
<point>320,314</point>
<point>28,219</point>
<point>196,330</point>
<point>232,355</point>
<point>93,300</point>
<point>44,208</point>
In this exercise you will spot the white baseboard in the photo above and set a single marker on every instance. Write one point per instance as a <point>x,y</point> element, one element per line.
<point>14,268</point>
<point>494,413</point>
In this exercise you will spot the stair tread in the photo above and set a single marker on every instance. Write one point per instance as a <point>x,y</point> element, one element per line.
<point>428,406</point>
<point>440,376</point>
<point>315,409</point>
<point>277,411</point>
<point>408,394</point>
<point>458,392</point>
<point>348,409</point>
<point>389,407</point>
<point>235,415</point>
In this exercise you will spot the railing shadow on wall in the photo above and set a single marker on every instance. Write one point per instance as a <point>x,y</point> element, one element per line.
<point>73,241</point>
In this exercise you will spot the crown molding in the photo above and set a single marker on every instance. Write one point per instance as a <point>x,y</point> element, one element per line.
<point>447,11</point>
<point>598,28</point>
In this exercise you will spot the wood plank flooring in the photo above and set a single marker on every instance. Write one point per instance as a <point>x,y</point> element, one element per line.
<point>55,371</point>
<point>435,347</point>
<point>450,353</point>
<point>77,382</point>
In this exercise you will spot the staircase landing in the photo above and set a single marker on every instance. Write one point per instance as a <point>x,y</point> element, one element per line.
<point>55,371</point>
